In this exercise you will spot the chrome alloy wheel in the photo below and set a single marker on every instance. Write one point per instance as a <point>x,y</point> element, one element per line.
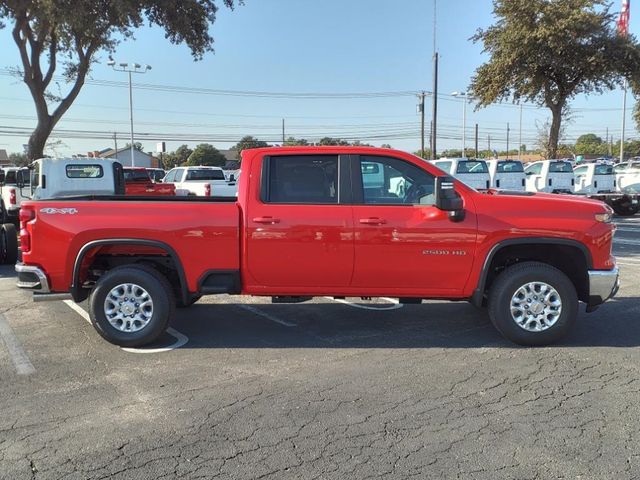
<point>128,307</point>
<point>536,306</point>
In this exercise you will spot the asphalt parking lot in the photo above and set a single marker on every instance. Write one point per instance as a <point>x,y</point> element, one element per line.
<point>246,389</point>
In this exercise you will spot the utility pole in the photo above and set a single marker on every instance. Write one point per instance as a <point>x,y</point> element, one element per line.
<point>507,139</point>
<point>434,113</point>
<point>283,132</point>
<point>489,144</point>
<point>115,144</point>
<point>624,114</point>
<point>476,140</point>
<point>421,110</point>
<point>606,139</point>
<point>520,136</point>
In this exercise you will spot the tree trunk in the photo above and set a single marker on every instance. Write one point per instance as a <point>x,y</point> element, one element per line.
<point>38,139</point>
<point>554,132</point>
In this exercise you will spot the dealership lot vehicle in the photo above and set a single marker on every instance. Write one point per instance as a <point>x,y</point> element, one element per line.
<point>551,176</point>
<point>334,390</point>
<point>156,174</point>
<point>137,181</point>
<point>474,173</point>
<point>628,177</point>
<point>291,235</point>
<point>10,196</point>
<point>507,174</point>
<point>594,178</point>
<point>201,181</point>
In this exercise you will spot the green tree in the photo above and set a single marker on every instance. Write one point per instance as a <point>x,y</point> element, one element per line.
<point>178,157</point>
<point>386,145</point>
<point>294,142</point>
<point>247,142</point>
<point>547,52</point>
<point>329,141</point>
<point>136,146</point>
<point>590,144</point>
<point>206,154</point>
<point>18,159</point>
<point>53,33</point>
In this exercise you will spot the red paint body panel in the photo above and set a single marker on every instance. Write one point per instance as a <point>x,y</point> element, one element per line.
<point>146,186</point>
<point>318,249</point>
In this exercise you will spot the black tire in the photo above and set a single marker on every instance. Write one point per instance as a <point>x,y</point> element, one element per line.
<point>4,216</point>
<point>505,287</point>
<point>8,244</point>
<point>158,289</point>
<point>626,210</point>
<point>193,299</point>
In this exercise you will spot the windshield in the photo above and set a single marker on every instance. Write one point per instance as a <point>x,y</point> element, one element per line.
<point>510,167</point>
<point>205,174</point>
<point>472,166</point>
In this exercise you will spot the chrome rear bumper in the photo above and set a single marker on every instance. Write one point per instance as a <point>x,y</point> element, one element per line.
<point>32,278</point>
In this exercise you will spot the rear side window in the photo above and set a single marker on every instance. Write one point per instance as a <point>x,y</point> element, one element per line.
<point>10,177</point>
<point>444,166</point>
<point>84,171</point>
<point>510,167</point>
<point>534,169</point>
<point>205,174</point>
<point>310,179</point>
<point>560,167</point>
<point>581,170</point>
<point>604,170</point>
<point>470,166</point>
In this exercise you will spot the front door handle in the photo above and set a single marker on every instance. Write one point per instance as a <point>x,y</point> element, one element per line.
<point>373,221</point>
<point>267,220</point>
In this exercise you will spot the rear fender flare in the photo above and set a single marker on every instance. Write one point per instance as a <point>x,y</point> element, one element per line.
<point>78,293</point>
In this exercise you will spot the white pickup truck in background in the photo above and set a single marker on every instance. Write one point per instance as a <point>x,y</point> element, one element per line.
<point>10,197</point>
<point>507,174</point>
<point>550,176</point>
<point>201,181</point>
<point>628,177</point>
<point>595,178</point>
<point>474,173</point>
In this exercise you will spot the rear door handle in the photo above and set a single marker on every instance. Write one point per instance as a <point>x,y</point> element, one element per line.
<point>373,221</point>
<point>267,220</point>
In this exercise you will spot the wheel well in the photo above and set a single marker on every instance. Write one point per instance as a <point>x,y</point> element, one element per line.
<point>566,258</point>
<point>95,260</point>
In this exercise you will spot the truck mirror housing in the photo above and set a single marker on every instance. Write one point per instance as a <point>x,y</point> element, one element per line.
<point>20,180</point>
<point>23,181</point>
<point>1,177</point>
<point>447,199</point>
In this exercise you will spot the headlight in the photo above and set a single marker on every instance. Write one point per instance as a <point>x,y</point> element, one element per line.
<point>603,217</point>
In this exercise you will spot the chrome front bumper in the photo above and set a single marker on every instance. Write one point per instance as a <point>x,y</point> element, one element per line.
<point>603,285</point>
<point>32,278</point>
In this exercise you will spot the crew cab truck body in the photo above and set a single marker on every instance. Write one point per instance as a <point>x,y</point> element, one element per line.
<point>507,174</point>
<point>594,178</point>
<point>551,176</point>
<point>10,196</point>
<point>304,225</point>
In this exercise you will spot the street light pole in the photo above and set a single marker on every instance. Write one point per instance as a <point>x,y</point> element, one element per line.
<point>130,68</point>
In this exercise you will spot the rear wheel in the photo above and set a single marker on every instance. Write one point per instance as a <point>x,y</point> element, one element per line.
<point>533,303</point>
<point>131,306</point>
<point>8,244</point>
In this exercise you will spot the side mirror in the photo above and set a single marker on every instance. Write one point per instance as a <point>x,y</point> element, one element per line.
<point>447,199</point>
<point>20,178</point>
<point>232,178</point>
<point>23,179</point>
<point>528,173</point>
<point>2,176</point>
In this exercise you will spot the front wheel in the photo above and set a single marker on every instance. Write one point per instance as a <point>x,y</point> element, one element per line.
<point>533,303</point>
<point>131,306</point>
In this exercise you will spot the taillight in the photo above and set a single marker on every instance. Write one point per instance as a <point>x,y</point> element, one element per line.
<point>25,215</point>
<point>12,196</point>
<point>207,190</point>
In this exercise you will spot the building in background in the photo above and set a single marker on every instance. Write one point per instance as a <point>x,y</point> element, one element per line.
<point>4,158</point>
<point>123,155</point>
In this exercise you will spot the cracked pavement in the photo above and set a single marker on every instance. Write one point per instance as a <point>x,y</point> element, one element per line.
<point>425,391</point>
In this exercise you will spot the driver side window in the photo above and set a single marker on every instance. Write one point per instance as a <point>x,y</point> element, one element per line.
<point>391,181</point>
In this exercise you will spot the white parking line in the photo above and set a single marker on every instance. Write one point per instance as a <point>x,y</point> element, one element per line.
<point>628,229</point>
<point>624,241</point>
<point>395,304</point>
<point>18,355</point>
<point>268,316</point>
<point>181,338</point>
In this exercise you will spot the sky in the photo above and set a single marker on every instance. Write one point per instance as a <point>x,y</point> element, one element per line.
<point>326,48</point>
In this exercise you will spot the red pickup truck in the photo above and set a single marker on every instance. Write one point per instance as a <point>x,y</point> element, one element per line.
<point>137,181</point>
<point>330,221</point>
